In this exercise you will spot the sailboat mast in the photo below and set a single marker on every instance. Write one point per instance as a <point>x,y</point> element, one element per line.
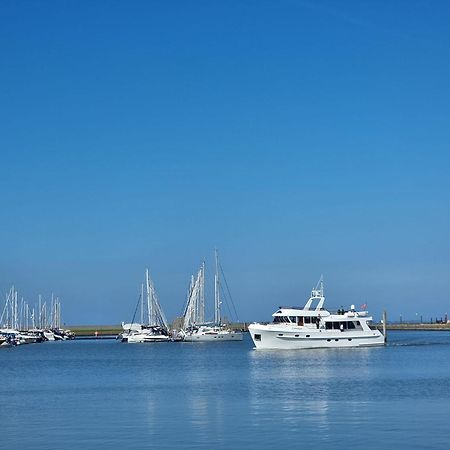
<point>16,323</point>
<point>52,312</point>
<point>149,303</point>
<point>202,295</point>
<point>217,317</point>
<point>142,303</point>
<point>40,312</point>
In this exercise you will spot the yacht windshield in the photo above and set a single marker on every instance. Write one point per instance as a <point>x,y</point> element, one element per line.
<point>281,319</point>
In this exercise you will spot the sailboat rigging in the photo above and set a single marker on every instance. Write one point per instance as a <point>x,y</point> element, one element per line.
<point>194,328</point>
<point>155,328</point>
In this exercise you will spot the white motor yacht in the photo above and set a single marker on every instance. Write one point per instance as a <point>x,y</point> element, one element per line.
<point>315,327</point>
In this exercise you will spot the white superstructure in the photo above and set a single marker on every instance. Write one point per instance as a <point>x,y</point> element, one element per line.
<point>315,327</point>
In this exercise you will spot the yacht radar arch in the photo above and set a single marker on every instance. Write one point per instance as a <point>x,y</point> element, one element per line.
<point>316,294</point>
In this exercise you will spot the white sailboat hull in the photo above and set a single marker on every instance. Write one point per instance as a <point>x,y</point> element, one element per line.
<point>145,338</point>
<point>292,338</point>
<point>214,337</point>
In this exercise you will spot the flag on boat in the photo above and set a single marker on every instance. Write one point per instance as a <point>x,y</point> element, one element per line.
<point>364,306</point>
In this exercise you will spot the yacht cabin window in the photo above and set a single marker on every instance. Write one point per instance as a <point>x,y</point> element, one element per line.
<point>310,319</point>
<point>345,325</point>
<point>282,319</point>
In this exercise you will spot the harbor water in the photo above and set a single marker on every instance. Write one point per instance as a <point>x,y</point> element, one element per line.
<point>104,394</point>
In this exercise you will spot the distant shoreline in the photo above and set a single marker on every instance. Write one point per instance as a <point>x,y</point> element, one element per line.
<point>109,330</point>
<point>415,326</point>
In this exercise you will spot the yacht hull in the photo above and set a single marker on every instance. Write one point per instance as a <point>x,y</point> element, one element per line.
<point>213,337</point>
<point>273,338</point>
<point>139,339</point>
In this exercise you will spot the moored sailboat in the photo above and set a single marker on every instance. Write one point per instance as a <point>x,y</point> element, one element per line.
<point>195,329</point>
<point>155,328</point>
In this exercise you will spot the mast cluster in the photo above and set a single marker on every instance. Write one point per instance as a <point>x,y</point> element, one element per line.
<point>156,316</point>
<point>194,312</point>
<point>18,314</point>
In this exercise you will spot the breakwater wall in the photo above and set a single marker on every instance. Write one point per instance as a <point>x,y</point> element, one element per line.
<point>415,326</point>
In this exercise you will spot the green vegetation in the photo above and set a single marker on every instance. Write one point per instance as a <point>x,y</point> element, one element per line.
<point>91,330</point>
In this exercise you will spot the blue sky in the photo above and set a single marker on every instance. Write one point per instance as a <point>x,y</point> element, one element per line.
<point>300,138</point>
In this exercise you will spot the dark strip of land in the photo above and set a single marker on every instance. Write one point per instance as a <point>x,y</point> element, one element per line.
<point>415,326</point>
<point>114,330</point>
<point>96,330</point>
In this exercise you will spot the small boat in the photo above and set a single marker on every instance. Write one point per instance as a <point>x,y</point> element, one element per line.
<point>13,336</point>
<point>31,337</point>
<point>195,329</point>
<point>62,335</point>
<point>5,340</point>
<point>49,335</point>
<point>315,327</point>
<point>44,334</point>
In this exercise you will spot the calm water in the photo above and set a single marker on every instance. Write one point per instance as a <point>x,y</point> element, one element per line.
<point>103,394</point>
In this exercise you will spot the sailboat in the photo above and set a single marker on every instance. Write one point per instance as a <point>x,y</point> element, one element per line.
<point>156,328</point>
<point>195,329</point>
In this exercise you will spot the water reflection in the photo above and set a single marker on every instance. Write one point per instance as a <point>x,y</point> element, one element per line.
<point>224,396</point>
<point>199,410</point>
<point>195,397</point>
<point>302,387</point>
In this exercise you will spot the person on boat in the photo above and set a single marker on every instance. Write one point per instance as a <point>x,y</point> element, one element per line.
<point>341,327</point>
<point>318,321</point>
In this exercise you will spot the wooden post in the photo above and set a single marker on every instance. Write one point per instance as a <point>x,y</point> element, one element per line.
<point>384,326</point>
